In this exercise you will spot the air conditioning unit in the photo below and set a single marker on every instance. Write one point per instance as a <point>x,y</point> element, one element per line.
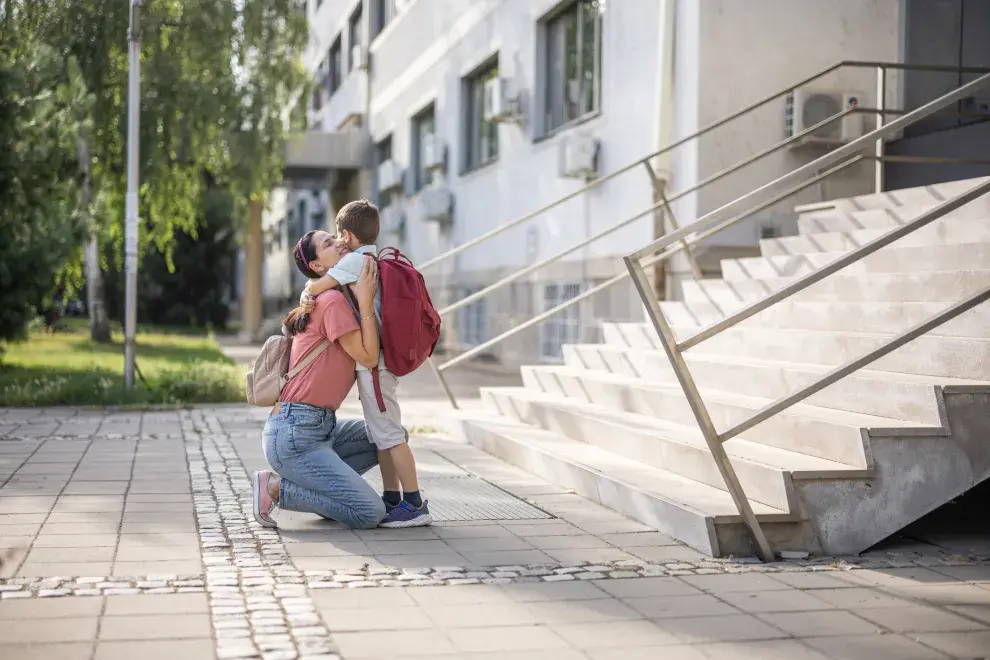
<point>437,203</point>
<point>579,156</point>
<point>804,108</point>
<point>359,57</point>
<point>434,152</point>
<point>501,101</point>
<point>389,176</point>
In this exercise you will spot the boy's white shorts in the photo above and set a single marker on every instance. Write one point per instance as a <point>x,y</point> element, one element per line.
<point>384,428</point>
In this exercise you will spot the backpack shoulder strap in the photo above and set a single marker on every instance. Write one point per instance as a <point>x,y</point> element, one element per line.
<point>306,361</point>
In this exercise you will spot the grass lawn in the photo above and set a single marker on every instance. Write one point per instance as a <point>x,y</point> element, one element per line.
<point>66,368</point>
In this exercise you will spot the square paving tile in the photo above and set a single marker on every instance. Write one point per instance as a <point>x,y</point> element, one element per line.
<point>471,532</point>
<point>448,558</point>
<point>383,643</point>
<point>958,644</point>
<point>732,628</point>
<point>820,624</point>
<point>778,649</point>
<point>728,582</point>
<point>158,540</point>
<point>38,631</point>
<point>662,607</point>
<point>65,569</point>
<point>569,542</point>
<point>553,591</point>
<point>816,580</point>
<point>487,543</point>
<point>466,595</point>
<point>357,599</point>
<point>956,593</point>
<point>67,651</point>
<point>163,553</point>
<point>157,626</point>
<point>186,649</point>
<point>651,653</point>
<point>365,619</point>
<point>157,604</point>
<point>73,529</point>
<point>559,528</point>
<point>75,541</point>
<point>978,612</point>
<point>51,608</point>
<point>579,611</point>
<point>977,574</point>
<point>71,555</point>
<point>614,634</point>
<point>505,639</point>
<point>650,586</point>
<point>775,601</point>
<point>873,647</point>
<point>480,615</point>
<point>507,558</point>
<point>328,549</point>
<point>917,619</point>
<point>407,547</point>
<point>855,598</point>
<point>138,568</point>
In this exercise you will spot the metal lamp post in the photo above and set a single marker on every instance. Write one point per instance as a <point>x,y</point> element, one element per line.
<point>131,218</point>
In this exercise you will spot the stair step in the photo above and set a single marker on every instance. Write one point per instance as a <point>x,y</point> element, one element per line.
<point>873,317</point>
<point>825,433</point>
<point>950,357</point>
<point>925,286</point>
<point>881,394</point>
<point>906,197</point>
<point>681,508</point>
<point>844,219</point>
<point>784,261</point>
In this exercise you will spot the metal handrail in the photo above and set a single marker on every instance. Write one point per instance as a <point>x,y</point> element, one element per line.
<point>663,204</point>
<point>675,349</point>
<point>861,64</point>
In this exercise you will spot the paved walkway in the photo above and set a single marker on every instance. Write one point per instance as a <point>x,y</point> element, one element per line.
<point>131,537</point>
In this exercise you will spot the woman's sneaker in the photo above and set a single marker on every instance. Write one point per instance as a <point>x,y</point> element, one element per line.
<point>406,515</point>
<point>263,504</point>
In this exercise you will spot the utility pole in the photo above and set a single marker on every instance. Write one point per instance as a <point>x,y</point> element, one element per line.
<point>131,218</point>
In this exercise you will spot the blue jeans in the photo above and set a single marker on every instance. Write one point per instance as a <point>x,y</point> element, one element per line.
<point>320,461</point>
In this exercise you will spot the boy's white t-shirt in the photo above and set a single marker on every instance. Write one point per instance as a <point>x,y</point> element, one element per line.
<point>347,271</point>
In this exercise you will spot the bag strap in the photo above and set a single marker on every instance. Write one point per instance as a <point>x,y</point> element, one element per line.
<point>306,361</point>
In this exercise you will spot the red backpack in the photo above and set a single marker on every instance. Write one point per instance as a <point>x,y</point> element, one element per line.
<point>410,324</point>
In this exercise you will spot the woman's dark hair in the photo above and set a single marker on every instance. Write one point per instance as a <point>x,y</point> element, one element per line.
<point>304,252</point>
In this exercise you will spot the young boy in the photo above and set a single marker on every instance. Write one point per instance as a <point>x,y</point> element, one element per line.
<point>357,227</point>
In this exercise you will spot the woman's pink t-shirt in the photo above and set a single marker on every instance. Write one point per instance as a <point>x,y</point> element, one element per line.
<point>328,379</point>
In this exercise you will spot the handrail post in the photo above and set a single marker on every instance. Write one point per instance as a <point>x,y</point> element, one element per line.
<point>660,195</point>
<point>443,383</point>
<point>638,274</point>
<point>879,182</point>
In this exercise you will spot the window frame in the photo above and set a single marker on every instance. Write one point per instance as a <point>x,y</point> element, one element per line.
<point>553,64</point>
<point>472,320</point>
<point>421,176</point>
<point>335,66</point>
<point>474,125</point>
<point>383,150</point>
<point>565,326</point>
<point>354,35</point>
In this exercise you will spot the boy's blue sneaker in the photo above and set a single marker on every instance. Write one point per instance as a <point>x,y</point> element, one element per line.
<point>388,505</point>
<point>406,515</point>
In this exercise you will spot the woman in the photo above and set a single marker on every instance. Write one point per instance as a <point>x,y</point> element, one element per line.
<point>319,460</point>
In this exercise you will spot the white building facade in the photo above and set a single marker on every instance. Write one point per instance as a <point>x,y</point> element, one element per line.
<point>477,112</point>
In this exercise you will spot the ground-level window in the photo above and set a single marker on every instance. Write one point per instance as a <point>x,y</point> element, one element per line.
<point>565,326</point>
<point>424,125</point>
<point>472,321</point>
<point>573,61</point>
<point>481,135</point>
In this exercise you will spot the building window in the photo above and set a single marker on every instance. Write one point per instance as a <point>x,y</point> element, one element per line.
<point>472,320</point>
<point>565,326</point>
<point>573,62</point>
<point>423,125</point>
<point>383,152</point>
<point>387,11</point>
<point>481,136</point>
<point>354,35</point>
<point>334,67</point>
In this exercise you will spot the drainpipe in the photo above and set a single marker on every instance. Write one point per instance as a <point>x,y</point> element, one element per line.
<point>661,164</point>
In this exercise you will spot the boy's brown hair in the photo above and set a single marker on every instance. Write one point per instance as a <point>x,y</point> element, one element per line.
<point>360,217</point>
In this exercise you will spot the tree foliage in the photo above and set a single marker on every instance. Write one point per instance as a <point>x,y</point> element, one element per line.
<point>217,76</point>
<point>41,223</point>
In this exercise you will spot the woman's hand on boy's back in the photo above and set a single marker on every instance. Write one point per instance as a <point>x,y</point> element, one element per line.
<point>367,285</point>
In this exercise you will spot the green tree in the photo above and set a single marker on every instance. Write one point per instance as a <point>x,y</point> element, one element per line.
<point>41,218</point>
<point>217,78</point>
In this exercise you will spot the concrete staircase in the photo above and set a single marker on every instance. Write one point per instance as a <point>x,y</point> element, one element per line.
<point>836,474</point>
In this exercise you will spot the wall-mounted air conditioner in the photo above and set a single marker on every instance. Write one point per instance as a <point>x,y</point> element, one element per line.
<point>359,57</point>
<point>389,176</point>
<point>578,156</point>
<point>806,107</point>
<point>437,203</point>
<point>434,152</point>
<point>501,101</point>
